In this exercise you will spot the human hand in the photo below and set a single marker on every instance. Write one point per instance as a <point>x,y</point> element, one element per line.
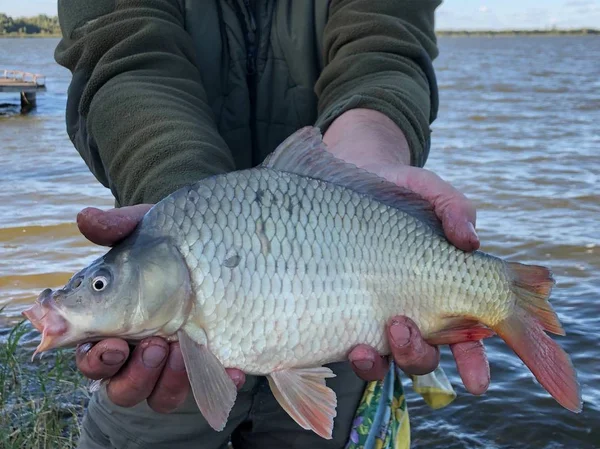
<point>372,141</point>
<point>154,371</point>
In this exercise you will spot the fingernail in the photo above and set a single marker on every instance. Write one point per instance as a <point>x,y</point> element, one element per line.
<point>363,365</point>
<point>238,379</point>
<point>84,348</point>
<point>112,357</point>
<point>400,333</point>
<point>472,230</point>
<point>176,362</point>
<point>153,356</point>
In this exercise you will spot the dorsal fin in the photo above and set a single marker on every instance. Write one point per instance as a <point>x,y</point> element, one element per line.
<point>304,153</point>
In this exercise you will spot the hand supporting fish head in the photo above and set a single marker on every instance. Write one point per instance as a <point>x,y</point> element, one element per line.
<point>138,289</point>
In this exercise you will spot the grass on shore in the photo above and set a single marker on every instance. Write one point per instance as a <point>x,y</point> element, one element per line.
<point>41,402</point>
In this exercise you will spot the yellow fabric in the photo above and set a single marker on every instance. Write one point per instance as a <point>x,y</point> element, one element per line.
<point>382,421</point>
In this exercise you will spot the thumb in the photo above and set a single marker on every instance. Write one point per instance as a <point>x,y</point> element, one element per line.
<point>108,227</point>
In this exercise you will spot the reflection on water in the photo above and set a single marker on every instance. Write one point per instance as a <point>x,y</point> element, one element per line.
<point>517,132</point>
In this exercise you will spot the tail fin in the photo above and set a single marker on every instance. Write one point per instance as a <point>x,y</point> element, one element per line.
<point>532,285</point>
<point>524,332</point>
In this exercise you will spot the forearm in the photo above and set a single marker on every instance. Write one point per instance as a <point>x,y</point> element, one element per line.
<point>357,130</point>
<point>378,56</point>
<point>137,111</point>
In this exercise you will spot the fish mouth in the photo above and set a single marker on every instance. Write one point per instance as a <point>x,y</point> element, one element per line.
<point>46,318</point>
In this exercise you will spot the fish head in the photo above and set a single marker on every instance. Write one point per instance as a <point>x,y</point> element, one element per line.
<point>138,289</point>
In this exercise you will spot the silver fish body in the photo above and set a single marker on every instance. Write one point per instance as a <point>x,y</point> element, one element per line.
<point>291,271</point>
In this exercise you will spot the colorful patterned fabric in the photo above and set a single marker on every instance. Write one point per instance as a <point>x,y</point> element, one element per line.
<point>381,420</point>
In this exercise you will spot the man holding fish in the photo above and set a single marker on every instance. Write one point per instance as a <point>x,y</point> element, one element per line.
<point>165,94</point>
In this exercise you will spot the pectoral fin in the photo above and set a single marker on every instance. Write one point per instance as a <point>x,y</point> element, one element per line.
<point>213,389</point>
<point>303,394</point>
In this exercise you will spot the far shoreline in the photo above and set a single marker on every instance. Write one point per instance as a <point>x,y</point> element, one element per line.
<point>512,33</point>
<point>29,36</point>
<point>439,33</point>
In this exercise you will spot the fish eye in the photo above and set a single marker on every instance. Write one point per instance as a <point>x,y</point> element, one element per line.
<point>99,283</point>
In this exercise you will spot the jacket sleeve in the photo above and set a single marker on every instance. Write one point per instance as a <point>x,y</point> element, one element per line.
<point>378,55</point>
<point>137,111</point>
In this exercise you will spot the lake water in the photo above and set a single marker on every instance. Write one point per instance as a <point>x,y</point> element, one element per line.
<point>518,132</point>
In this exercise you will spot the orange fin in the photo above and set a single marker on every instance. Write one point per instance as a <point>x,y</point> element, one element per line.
<point>524,332</point>
<point>459,330</point>
<point>532,285</point>
<point>304,396</point>
<point>548,362</point>
<point>213,389</point>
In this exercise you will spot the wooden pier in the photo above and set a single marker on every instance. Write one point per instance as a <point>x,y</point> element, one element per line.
<point>27,84</point>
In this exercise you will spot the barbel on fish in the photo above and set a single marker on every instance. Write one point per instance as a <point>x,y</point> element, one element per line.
<point>283,268</point>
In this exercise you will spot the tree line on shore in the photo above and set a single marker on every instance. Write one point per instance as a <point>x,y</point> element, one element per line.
<point>38,25</point>
<point>49,26</point>
<point>552,31</point>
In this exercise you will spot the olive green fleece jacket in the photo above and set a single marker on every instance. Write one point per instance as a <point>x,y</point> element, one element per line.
<point>166,92</point>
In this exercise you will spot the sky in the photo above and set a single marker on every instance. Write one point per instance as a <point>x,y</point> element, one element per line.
<point>453,14</point>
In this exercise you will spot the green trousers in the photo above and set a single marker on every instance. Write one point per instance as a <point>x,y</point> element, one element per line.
<point>257,421</point>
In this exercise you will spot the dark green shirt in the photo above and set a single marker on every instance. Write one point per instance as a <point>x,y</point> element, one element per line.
<point>167,92</point>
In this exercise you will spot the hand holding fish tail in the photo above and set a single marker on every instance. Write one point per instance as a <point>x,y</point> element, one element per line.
<point>372,141</point>
<point>409,351</point>
<point>458,216</point>
<point>154,370</point>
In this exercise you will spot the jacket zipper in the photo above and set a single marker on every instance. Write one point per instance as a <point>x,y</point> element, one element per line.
<point>251,37</point>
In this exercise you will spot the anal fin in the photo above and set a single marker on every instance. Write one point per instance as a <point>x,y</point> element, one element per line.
<point>459,330</point>
<point>213,389</point>
<point>304,396</point>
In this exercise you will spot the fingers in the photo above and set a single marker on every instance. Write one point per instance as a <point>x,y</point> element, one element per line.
<point>155,372</point>
<point>411,353</point>
<point>458,218</point>
<point>102,360</point>
<point>238,377</point>
<point>457,213</point>
<point>173,386</point>
<point>108,227</point>
<point>415,357</point>
<point>367,363</point>
<point>473,366</point>
<point>137,380</point>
